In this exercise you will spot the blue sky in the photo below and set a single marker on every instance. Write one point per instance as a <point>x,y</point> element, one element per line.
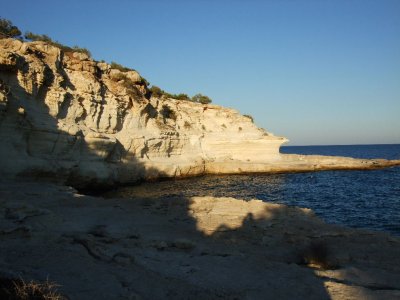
<point>317,72</point>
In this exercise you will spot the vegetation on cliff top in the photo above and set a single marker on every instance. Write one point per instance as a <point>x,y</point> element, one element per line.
<point>250,117</point>
<point>117,66</point>
<point>198,98</point>
<point>45,38</point>
<point>7,29</point>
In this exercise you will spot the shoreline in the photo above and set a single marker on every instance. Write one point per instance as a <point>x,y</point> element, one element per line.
<point>289,163</point>
<point>87,124</point>
<point>365,199</point>
<point>179,248</point>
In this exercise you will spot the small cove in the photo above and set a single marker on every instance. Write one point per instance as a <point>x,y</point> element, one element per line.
<point>359,199</point>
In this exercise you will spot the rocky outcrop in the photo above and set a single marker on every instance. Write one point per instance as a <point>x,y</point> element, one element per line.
<point>66,116</point>
<point>63,113</point>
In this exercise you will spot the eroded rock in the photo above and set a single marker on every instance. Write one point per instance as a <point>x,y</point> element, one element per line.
<point>67,117</point>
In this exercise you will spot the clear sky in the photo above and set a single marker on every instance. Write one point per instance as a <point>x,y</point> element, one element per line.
<point>317,72</point>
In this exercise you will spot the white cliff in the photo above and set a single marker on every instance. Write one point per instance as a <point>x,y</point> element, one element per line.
<point>66,116</point>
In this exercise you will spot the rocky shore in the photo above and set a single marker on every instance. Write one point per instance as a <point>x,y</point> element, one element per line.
<point>68,121</point>
<point>178,248</point>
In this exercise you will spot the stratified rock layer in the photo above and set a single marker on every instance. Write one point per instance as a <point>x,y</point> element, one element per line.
<point>66,116</point>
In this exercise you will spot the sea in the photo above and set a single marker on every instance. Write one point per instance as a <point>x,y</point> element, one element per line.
<point>360,199</point>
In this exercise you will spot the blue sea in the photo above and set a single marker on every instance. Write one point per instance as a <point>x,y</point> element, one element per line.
<point>359,199</point>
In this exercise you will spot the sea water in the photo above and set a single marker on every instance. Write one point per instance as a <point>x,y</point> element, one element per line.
<point>361,199</point>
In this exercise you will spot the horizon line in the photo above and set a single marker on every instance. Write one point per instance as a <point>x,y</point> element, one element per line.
<point>327,145</point>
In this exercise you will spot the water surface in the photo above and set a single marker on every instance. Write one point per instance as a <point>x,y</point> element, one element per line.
<point>360,199</point>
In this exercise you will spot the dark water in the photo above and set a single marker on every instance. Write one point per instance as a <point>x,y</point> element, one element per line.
<point>361,199</point>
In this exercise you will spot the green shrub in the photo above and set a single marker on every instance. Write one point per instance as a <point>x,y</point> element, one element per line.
<point>249,117</point>
<point>45,38</point>
<point>78,49</point>
<point>114,65</point>
<point>168,95</point>
<point>8,29</point>
<point>38,37</point>
<point>182,97</point>
<point>143,81</point>
<point>201,99</point>
<point>156,91</point>
<point>117,66</point>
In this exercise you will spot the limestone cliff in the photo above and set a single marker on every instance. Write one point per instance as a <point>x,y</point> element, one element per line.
<point>64,115</point>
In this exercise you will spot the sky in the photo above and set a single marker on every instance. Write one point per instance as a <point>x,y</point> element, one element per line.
<point>317,72</point>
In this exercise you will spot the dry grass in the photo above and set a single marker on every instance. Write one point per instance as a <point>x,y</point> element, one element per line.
<point>13,289</point>
<point>316,255</point>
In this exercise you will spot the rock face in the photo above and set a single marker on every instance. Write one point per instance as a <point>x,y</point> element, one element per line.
<point>63,113</point>
<point>66,116</point>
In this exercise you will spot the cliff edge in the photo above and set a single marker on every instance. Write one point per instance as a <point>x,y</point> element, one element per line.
<point>64,115</point>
